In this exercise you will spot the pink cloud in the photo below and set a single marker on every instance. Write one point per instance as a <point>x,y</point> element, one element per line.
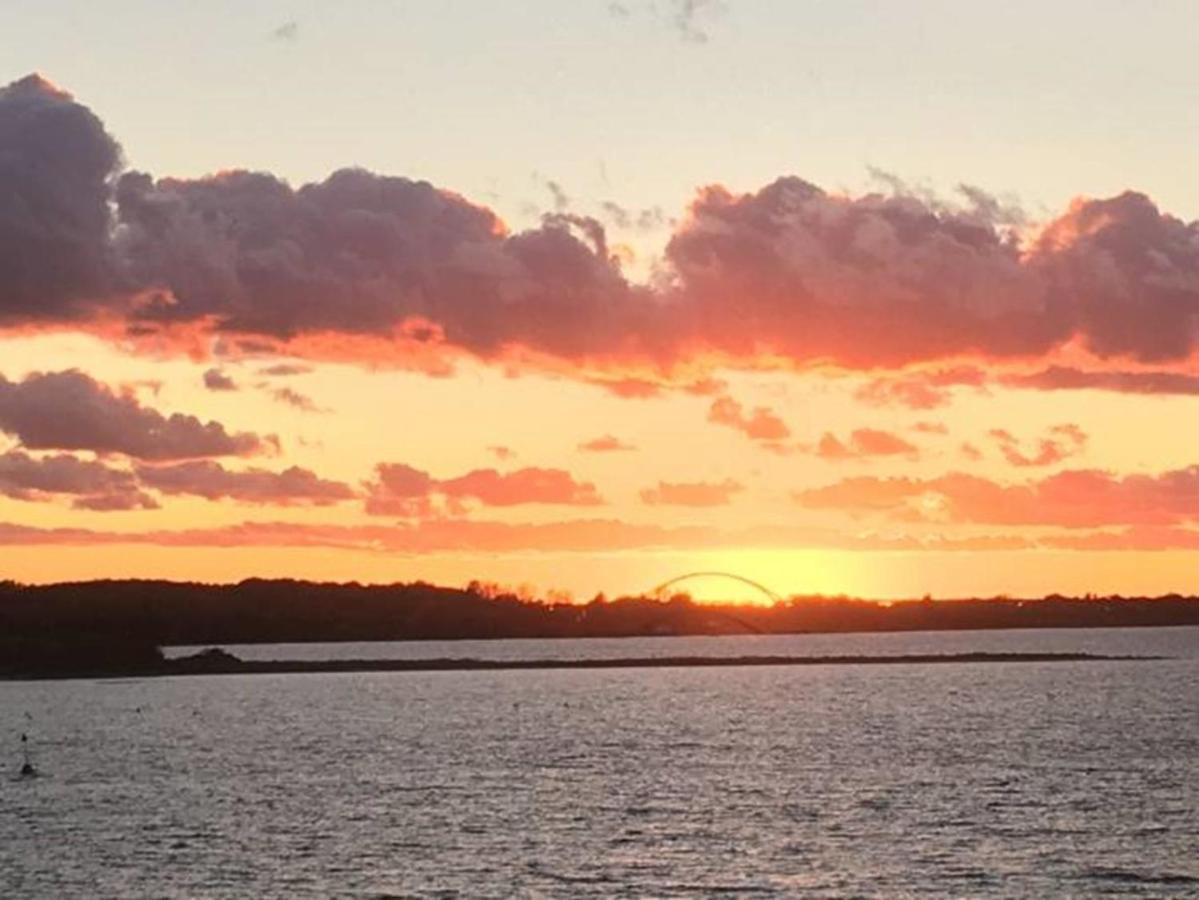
<point>90,484</point>
<point>1064,378</point>
<point>1071,499</point>
<point>216,380</point>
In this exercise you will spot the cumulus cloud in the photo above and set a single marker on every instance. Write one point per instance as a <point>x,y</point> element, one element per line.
<point>761,424</point>
<point>403,490</point>
<point>1062,442</point>
<point>1072,499</point>
<point>70,411</point>
<point>209,479</point>
<point>863,443</point>
<point>605,444</point>
<point>56,169</point>
<point>90,484</point>
<point>691,493</point>
<point>367,266</point>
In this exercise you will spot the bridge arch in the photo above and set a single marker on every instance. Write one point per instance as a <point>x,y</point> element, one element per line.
<point>730,576</point>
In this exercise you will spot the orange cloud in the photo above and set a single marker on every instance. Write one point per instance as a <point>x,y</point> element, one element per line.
<point>402,490</point>
<point>762,424</point>
<point>605,444</point>
<point>694,493</point>
<point>863,443</point>
<point>1062,442</point>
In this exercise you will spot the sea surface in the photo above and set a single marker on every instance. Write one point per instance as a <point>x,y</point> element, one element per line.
<point>1076,779</point>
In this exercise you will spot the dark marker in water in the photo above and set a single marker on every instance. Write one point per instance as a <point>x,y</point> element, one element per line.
<point>27,768</point>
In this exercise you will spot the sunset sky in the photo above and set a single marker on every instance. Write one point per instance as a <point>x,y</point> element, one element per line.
<point>885,299</point>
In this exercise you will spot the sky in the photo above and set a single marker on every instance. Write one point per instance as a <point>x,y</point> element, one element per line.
<point>874,298</point>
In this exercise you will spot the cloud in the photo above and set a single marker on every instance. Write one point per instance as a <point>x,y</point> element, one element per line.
<point>1072,499</point>
<point>375,268</point>
<point>70,411</point>
<point>694,493</point>
<point>605,444</point>
<point>500,452</point>
<point>686,17</point>
<point>461,535</point>
<point>283,370</point>
<point>91,484</point>
<point>296,400</point>
<point>288,31</point>
<point>930,427</point>
<point>863,443</point>
<point>216,380</point>
<point>56,162</point>
<point>919,390</point>
<point>1062,442</point>
<point>762,424</point>
<point>642,220</point>
<point>402,490</point>
<point>370,256</point>
<point>528,485</point>
<point>1059,378</point>
<point>970,452</point>
<point>1142,538</point>
<point>211,480</point>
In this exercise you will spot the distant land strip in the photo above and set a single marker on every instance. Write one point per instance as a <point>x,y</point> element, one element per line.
<point>215,661</point>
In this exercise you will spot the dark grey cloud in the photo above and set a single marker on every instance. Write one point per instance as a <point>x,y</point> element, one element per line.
<point>789,273</point>
<point>71,411</point>
<point>56,167</point>
<point>209,479</point>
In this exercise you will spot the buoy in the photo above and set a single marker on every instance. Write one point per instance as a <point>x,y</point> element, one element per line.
<point>28,770</point>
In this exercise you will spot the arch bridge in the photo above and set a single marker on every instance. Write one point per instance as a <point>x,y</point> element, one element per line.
<point>729,576</point>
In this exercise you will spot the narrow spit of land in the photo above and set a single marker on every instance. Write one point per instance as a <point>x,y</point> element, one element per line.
<point>220,662</point>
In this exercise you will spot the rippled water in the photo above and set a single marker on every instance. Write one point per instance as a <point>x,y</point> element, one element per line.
<point>1020,780</point>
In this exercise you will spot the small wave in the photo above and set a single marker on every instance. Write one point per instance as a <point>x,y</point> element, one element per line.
<point>1128,876</point>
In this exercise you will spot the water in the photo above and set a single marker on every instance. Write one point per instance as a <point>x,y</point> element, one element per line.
<point>1013,780</point>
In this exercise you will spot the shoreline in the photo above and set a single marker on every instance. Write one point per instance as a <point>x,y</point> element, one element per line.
<point>220,662</point>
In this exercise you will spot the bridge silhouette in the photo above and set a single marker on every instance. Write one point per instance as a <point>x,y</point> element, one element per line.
<point>731,576</point>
